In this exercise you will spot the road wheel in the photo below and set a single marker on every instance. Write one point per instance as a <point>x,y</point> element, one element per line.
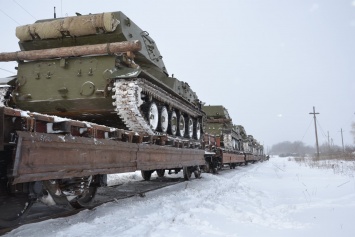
<point>163,119</point>
<point>189,127</point>
<point>153,116</point>
<point>181,125</point>
<point>173,123</point>
<point>197,130</point>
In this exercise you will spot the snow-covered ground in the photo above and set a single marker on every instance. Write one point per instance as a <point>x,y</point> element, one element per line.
<point>274,198</point>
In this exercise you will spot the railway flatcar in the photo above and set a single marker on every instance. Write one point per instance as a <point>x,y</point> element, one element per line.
<point>100,101</point>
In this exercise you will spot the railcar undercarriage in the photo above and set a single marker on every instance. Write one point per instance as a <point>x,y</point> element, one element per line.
<point>62,162</point>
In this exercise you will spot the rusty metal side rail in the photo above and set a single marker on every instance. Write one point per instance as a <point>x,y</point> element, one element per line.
<point>41,156</point>
<point>232,158</point>
<point>253,158</point>
<point>50,147</point>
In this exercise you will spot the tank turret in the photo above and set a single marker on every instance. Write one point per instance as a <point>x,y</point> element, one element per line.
<point>101,68</point>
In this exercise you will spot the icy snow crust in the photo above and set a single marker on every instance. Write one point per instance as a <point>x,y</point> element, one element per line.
<point>274,198</point>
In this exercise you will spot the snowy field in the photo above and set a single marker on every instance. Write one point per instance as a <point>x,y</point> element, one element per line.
<point>275,198</point>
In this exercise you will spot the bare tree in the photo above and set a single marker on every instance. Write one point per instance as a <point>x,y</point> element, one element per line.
<point>353,130</point>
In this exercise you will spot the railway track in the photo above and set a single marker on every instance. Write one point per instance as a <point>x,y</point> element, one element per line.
<point>40,212</point>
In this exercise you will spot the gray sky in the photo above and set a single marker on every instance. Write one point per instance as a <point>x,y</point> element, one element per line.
<point>267,61</point>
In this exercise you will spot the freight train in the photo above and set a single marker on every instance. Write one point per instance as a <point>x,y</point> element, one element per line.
<point>92,97</point>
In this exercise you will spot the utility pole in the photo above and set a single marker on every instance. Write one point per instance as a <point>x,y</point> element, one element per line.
<point>315,128</point>
<point>342,140</point>
<point>328,143</point>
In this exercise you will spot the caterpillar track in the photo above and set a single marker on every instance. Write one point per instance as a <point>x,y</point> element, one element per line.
<point>128,101</point>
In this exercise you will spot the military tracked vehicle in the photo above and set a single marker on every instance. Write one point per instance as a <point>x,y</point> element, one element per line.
<point>229,147</point>
<point>220,123</point>
<point>100,68</point>
<point>254,150</point>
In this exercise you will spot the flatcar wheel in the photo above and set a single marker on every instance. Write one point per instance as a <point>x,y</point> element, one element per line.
<point>84,200</point>
<point>197,172</point>
<point>160,172</point>
<point>173,124</point>
<point>181,125</point>
<point>187,173</point>
<point>189,127</point>
<point>163,119</point>
<point>197,130</point>
<point>153,116</point>
<point>13,208</point>
<point>146,174</point>
<point>207,167</point>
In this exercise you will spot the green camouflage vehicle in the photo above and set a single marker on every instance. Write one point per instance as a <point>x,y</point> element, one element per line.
<point>100,68</point>
<point>219,123</point>
<point>230,151</point>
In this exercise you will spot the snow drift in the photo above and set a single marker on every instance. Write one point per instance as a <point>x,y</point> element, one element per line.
<point>274,198</point>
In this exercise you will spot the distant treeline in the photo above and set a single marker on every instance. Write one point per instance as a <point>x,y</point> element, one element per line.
<point>287,148</point>
<point>298,148</point>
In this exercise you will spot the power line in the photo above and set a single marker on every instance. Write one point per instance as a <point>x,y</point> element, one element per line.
<point>309,125</point>
<point>24,9</point>
<point>321,129</point>
<point>10,17</point>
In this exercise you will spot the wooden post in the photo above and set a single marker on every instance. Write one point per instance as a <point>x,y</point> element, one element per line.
<point>342,140</point>
<point>315,128</point>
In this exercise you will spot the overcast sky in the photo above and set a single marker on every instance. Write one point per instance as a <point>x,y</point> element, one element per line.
<point>267,61</point>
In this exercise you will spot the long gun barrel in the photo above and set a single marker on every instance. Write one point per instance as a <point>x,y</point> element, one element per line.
<point>74,51</point>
